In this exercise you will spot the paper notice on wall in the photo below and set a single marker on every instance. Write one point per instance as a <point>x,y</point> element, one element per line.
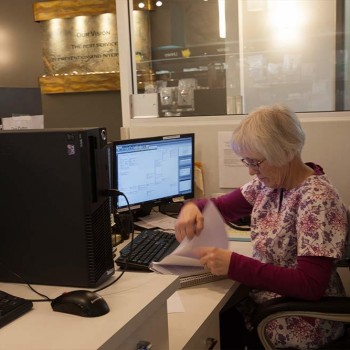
<point>232,172</point>
<point>23,122</point>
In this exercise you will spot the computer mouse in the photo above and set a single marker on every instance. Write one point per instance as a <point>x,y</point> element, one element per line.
<point>81,303</point>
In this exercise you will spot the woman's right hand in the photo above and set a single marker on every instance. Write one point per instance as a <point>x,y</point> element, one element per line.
<point>189,223</point>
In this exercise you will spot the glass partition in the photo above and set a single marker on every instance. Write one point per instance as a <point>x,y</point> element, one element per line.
<point>217,57</point>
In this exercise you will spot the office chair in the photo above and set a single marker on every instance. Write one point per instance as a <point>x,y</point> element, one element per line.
<point>329,308</point>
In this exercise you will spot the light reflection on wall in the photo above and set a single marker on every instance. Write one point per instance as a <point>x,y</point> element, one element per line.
<point>288,54</point>
<point>54,26</point>
<point>5,49</point>
<point>81,24</point>
<point>80,45</point>
<point>286,19</point>
<point>222,19</point>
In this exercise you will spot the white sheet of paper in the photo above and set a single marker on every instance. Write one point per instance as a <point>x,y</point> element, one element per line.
<point>175,304</point>
<point>157,219</point>
<point>23,122</point>
<point>213,235</point>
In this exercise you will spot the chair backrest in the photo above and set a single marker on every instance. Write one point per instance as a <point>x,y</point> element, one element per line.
<point>343,266</point>
<point>347,248</point>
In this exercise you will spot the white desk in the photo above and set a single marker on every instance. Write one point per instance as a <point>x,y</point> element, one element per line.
<point>138,312</point>
<point>191,329</point>
<point>200,321</point>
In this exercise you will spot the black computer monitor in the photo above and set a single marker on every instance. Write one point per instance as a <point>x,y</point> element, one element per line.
<point>153,171</point>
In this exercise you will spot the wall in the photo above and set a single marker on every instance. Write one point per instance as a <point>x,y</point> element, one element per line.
<point>19,101</point>
<point>83,110</point>
<point>327,143</point>
<point>21,65</point>
<point>328,140</point>
<point>20,46</point>
<point>20,59</point>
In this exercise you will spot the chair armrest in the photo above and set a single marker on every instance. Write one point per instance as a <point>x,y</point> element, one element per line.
<point>329,308</point>
<point>292,306</point>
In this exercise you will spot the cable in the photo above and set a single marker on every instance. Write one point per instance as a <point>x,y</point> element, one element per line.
<point>28,284</point>
<point>114,193</point>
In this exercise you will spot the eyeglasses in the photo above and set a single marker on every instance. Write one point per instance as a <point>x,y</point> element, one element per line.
<point>252,164</point>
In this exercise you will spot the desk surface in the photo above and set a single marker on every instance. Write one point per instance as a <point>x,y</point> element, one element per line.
<point>131,300</point>
<point>200,302</point>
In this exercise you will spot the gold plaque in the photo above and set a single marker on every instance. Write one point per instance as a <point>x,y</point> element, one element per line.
<point>80,45</point>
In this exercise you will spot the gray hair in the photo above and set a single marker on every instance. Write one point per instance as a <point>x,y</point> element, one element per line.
<point>274,132</point>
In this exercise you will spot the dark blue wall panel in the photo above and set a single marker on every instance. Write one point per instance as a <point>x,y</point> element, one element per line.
<point>20,101</point>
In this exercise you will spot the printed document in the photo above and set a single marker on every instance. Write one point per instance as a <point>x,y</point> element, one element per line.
<point>183,260</point>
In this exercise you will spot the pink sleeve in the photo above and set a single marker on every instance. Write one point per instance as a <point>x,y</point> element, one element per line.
<point>308,280</point>
<point>232,206</point>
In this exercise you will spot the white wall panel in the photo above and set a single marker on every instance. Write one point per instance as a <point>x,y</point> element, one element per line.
<point>327,143</point>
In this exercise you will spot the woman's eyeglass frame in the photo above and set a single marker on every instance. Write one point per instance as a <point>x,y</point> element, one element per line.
<point>252,164</point>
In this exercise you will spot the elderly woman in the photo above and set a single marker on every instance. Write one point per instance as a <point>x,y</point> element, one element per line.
<point>298,231</point>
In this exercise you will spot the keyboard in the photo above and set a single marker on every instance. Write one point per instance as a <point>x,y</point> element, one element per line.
<point>12,307</point>
<point>148,246</point>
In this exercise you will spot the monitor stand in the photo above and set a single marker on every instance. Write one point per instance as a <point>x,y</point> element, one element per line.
<point>144,210</point>
<point>171,209</point>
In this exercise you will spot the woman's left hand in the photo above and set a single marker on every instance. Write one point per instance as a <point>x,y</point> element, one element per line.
<point>216,260</point>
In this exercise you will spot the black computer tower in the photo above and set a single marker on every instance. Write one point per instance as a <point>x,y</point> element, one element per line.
<point>55,225</point>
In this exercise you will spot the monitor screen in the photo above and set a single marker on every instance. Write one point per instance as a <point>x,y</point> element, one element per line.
<point>153,171</point>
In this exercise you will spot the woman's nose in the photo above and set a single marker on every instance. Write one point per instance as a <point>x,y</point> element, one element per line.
<point>253,170</point>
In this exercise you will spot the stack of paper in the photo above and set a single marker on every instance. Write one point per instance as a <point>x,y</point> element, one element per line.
<point>183,260</point>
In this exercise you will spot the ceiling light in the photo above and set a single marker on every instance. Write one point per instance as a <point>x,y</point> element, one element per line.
<point>222,19</point>
<point>146,5</point>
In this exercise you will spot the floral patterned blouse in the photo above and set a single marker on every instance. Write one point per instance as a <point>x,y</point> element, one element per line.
<point>309,220</point>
